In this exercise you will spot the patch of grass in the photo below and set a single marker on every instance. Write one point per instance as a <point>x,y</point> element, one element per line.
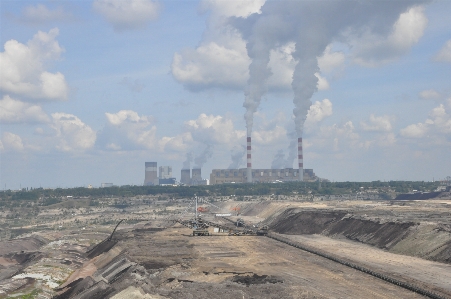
<point>31,295</point>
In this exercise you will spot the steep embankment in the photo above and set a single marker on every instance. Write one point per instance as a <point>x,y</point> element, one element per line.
<point>428,241</point>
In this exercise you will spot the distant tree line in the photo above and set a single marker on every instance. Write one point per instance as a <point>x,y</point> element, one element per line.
<point>289,188</point>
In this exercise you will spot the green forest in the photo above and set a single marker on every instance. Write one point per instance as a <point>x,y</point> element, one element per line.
<point>290,188</point>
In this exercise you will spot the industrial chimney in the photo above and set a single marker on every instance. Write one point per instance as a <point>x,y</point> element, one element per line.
<point>300,160</point>
<point>249,160</point>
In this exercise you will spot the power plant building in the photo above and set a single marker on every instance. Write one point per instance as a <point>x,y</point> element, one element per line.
<point>195,179</point>
<point>150,177</point>
<point>224,176</point>
<point>185,177</point>
<point>165,172</point>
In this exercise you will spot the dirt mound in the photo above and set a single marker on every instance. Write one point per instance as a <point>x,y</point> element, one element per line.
<point>23,257</point>
<point>382,235</point>
<point>307,222</point>
<point>32,243</point>
<point>256,279</point>
<point>409,238</point>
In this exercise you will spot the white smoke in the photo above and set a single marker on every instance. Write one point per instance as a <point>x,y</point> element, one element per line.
<point>312,26</point>
<point>237,155</point>
<point>202,158</point>
<point>281,161</point>
<point>187,162</point>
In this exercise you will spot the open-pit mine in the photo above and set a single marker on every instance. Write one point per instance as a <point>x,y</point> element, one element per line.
<point>222,248</point>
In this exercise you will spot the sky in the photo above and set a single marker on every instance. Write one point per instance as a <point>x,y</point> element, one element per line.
<point>90,90</point>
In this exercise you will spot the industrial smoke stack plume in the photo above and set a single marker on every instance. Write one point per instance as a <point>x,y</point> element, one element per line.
<point>312,26</point>
<point>249,159</point>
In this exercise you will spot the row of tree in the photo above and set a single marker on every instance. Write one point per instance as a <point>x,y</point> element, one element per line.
<point>290,188</point>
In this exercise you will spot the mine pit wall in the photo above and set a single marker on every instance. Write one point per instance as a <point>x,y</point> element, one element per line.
<point>430,242</point>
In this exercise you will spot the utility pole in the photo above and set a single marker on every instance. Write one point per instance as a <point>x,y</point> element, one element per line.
<point>196,204</point>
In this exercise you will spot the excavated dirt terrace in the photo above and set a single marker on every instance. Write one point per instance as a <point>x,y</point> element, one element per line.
<point>409,241</point>
<point>181,266</point>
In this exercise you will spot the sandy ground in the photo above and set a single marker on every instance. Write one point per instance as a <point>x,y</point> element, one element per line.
<point>221,257</point>
<point>435,275</point>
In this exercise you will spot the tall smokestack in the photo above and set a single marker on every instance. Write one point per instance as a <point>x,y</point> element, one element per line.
<point>300,160</point>
<point>249,160</point>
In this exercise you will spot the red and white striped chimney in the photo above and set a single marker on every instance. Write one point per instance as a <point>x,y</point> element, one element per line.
<point>249,160</point>
<point>300,160</point>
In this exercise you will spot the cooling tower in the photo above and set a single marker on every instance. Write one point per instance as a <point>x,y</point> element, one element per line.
<point>150,177</point>
<point>196,175</point>
<point>249,160</point>
<point>185,177</point>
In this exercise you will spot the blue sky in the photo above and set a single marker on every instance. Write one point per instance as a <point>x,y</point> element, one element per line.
<point>90,90</point>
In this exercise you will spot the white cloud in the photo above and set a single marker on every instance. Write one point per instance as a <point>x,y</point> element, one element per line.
<point>14,111</point>
<point>41,14</point>
<point>323,84</point>
<point>377,124</point>
<point>269,136</point>
<point>318,111</point>
<point>126,15</point>
<point>11,142</point>
<point>227,65</point>
<point>436,126</point>
<point>336,137</point>
<point>330,61</point>
<point>23,68</point>
<point>210,129</point>
<point>71,133</point>
<point>282,66</point>
<point>127,130</point>
<point>212,65</point>
<point>414,131</point>
<point>388,139</point>
<point>127,116</point>
<point>441,119</point>
<point>372,49</point>
<point>430,94</point>
<point>179,143</point>
<point>445,53</point>
<point>232,8</point>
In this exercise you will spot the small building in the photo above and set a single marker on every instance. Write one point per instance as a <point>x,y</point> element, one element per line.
<point>167,182</point>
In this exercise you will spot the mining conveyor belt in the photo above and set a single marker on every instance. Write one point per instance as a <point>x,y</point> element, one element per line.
<point>184,223</point>
<point>386,278</point>
<point>233,229</point>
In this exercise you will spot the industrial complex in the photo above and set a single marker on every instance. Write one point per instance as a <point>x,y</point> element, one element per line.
<point>224,176</point>
<point>152,178</point>
<point>193,177</point>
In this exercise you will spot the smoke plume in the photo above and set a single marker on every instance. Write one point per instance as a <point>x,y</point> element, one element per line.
<point>202,158</point>
<point>237,157</point>
<point>187,162</point>
<point>312,25</point>
<point>280,161</point>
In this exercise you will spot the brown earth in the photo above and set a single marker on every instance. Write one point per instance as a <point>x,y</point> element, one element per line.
<point>149,261</point>
<point>173,264</point>
<point>385,235</point>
